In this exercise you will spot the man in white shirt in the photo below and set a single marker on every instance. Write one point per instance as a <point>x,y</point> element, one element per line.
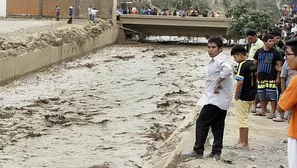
<point>283,32</point>
<point>217,98</point>
<point>217,15</point>
<point>93,14</point>
<point>256,43</point>
<point>90,12</point>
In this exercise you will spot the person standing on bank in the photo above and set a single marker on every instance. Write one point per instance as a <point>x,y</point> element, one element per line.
<point>58,13</point>
<point>266,60</point>
<point>70,15</point>
<point>256,44</point>
<point>288,101</point>
<point>245,93</point>
<point>217,98</point>
<point>90,13</point>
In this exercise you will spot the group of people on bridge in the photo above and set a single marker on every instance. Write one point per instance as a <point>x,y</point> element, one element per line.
<point>166,12</point>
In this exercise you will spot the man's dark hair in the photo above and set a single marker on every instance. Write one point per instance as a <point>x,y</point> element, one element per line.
<point>293,44</point>
<point>238,49</point>
<point>266,37</point>
<point>251,33</point>
<point>217,40</point>
<point>280,44</point>
<point>275,33</point>
<point>260,36</point>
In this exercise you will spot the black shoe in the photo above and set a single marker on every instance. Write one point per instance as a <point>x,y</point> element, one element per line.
<point>216,157</point>
<point>193,154</point>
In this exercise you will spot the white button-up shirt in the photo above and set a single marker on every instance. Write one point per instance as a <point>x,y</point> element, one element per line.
<point>219,67</point>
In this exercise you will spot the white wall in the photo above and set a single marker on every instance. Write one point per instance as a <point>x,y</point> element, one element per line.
<point>3,8</point>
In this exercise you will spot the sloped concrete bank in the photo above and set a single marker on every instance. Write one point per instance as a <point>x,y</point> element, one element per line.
<point>14,67</point>
<point>170,152</point>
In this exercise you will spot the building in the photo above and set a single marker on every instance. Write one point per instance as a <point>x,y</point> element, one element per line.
<point>46,8</point>
<point>3,8</point>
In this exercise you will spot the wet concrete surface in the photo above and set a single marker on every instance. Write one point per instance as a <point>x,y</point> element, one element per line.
<point>114,107</point>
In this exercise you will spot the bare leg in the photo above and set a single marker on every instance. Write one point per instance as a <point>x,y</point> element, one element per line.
<point>245,137</point>
<point>264,106</point>
<point>255,103</point>
<point>273,106</point>
<point>240,141</point>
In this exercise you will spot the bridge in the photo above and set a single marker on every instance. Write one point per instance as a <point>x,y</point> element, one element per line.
<point>150,25</point>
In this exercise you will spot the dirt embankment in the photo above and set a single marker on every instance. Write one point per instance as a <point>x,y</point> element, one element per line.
<point>55,37</point>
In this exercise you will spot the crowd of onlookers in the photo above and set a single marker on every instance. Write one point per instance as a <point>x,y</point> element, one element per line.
<point>166,12</point>
<point>266,74</point>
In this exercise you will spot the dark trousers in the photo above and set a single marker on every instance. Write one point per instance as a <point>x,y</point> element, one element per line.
<point>214,117</point>
<point>70,20</point>
<point>58,16</point>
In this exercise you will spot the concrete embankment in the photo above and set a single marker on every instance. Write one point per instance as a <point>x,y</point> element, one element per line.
<point>170,153</point>
<point>34,53</point>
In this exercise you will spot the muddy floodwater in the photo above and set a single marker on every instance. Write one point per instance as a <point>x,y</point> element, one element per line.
<point>113,107</point>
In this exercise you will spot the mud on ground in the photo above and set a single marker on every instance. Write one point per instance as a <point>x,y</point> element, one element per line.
<point>45,34</point>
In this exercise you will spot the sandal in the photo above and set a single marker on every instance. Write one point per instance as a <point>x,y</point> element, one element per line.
<point>253,111</point>
<point>240,146</point>
<point>271,116</point>
<point>258,105</point>
<point>259,114</point>
<point>278,119</point>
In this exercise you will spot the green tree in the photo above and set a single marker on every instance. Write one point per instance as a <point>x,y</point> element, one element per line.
<point>270,8</point>
<point>202,5</point>
<point>226,3</point>
<point>253,19</point>
<point>238,8</point>
<point>251,14</point>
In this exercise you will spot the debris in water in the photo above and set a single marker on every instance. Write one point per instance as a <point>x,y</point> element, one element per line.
<point>32,134</point>
<point>6,115</point>
<point>162,55</point>
<point>125,57</point>
<point>89,65</point>
<point>54,98</point>
<point>56,119</point>
<point>42,101</point>
<point>104,165</point>
<point>175,92</point>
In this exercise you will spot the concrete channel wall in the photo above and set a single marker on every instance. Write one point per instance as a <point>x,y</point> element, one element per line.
<point>2,8</point>
<point>12,68</point>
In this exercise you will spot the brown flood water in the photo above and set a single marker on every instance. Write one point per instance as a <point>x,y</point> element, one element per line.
<point>115,106</point>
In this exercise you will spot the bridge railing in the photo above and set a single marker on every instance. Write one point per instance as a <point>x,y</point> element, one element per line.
<point>154,20</point>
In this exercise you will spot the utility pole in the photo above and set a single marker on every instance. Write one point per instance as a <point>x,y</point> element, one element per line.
<point>77,8</point>
<point>40,8</point>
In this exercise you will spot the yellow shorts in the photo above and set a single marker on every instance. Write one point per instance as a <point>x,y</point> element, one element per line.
<point>243,109</point>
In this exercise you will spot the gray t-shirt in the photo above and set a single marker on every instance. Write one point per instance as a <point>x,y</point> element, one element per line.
<point>287,73</point>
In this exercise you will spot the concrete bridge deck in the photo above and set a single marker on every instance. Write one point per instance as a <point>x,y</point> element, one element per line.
<point>176,26</point>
